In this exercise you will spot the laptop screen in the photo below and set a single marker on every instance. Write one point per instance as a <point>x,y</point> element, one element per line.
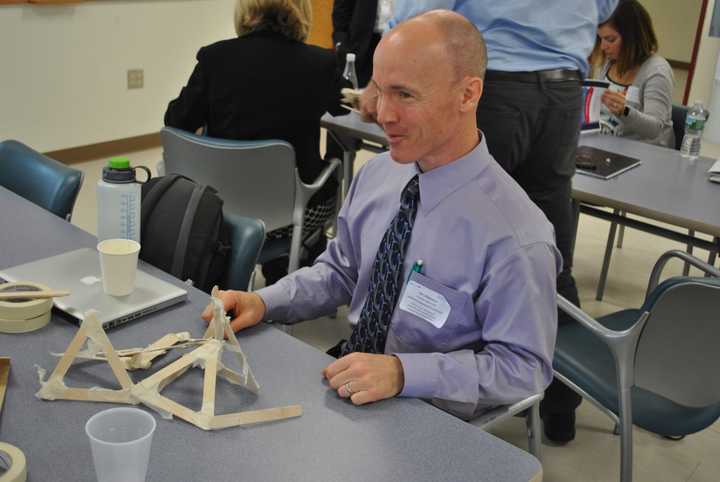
<point>592,92</point>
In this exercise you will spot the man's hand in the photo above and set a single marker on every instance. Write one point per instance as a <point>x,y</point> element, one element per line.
<point>366,377</point>
<point>248,308</point>
<point>368,103</point>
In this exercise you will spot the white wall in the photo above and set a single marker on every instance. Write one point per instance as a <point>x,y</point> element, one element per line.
<point>675,22</point>
<point>63,69</point>
<point>707,58</point>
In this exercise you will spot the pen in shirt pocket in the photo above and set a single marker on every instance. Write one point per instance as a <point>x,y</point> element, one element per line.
<point>416,268</point>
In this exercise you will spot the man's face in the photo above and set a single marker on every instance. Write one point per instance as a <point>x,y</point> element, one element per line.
<point>419,98</point>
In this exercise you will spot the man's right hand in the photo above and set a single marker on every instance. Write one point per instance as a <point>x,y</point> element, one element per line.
<point>248,308</point>
<point>368,103</point>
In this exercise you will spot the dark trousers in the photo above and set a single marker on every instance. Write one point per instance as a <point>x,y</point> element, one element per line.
<point>532,130</point>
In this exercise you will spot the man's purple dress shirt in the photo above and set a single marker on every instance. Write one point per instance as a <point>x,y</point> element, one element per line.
<point>486,248</point>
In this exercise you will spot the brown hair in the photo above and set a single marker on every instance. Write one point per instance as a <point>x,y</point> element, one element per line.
<point>292,18</point>
<point>634,25</point>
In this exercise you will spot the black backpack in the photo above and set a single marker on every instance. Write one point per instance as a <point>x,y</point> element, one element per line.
<point>183,231</point>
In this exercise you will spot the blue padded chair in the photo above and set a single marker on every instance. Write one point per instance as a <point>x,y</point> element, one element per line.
<point>257,179</point>
<point>656,366</point>
<point>247,236</point>
<point>46,182</point>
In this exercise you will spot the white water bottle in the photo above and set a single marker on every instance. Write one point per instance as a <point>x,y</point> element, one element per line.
<point>118,201</point>
<point>694,125</point>
<point>349,73</point>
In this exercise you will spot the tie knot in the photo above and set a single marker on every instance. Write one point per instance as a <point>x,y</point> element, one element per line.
<point>410,194</point>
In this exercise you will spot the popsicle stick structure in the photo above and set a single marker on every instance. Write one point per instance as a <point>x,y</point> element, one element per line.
<point>207,356</point>
<point>55,389</point>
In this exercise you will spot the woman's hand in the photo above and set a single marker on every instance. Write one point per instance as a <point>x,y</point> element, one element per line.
<point>615,102</point>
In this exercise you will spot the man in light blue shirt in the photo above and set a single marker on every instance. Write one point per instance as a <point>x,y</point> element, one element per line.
<point>530,114</point>
<point>474,325</point>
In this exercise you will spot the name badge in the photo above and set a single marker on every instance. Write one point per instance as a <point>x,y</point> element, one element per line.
<point>425,303</point>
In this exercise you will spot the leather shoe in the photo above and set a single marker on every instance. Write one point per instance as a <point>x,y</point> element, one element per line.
<point>559,427</point>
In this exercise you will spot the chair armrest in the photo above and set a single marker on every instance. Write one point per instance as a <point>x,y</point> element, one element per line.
<point>688,258</point>
<point>324,175</point>
<point>586,320</point>
<point>247,236</point>
<point>622,344</point>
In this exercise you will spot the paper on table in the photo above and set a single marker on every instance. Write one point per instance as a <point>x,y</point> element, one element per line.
<point>715,168</point>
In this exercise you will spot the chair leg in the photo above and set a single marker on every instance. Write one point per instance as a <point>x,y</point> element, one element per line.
<point>606,261</point>
<point>534,430</point>
<point>689,249</point>
<point>621,233</point>
<point>713,253</point>
<point>295,247</point>
<point>626,438</point>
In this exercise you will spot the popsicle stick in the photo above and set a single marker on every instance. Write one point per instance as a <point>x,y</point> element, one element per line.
<point>11,295</point>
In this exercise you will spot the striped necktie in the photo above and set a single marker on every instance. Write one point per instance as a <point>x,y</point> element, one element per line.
<point>371,329</point>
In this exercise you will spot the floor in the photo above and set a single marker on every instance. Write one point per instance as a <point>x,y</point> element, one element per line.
<point>594,455</point>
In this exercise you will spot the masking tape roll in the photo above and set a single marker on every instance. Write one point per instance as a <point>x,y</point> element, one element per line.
<point>16,464</point>
<point>24,316</point>
<point>24,326</point>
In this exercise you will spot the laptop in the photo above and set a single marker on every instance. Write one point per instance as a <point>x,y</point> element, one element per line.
<point>592,92</point>
<point>79,272</point>
<point>602,164</point>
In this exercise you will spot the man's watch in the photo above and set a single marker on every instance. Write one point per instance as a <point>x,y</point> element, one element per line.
<point>626,111</point>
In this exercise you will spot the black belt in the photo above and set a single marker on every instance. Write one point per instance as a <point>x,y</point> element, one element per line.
<point>557,75</point>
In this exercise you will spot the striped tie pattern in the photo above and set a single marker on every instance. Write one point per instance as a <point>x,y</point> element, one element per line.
<point>370,331</point>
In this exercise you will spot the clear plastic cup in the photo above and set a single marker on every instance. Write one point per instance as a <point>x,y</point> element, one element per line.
<point>118,264</point>
<point>120,440</point>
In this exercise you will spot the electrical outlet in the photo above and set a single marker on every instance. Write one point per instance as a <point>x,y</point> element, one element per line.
<point>135,78</point>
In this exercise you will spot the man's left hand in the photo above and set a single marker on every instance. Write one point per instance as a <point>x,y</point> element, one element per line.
<point>365,377</point>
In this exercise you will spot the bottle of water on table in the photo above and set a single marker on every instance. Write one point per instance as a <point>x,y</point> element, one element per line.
<point>349,73</point>
<point>118,201</point>
<point>694,125</point>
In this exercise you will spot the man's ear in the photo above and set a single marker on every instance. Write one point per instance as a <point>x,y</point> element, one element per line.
<point>472,91</point>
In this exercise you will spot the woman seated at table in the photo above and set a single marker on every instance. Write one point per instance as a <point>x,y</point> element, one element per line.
<point>267,84</point>
<point>638,103</point>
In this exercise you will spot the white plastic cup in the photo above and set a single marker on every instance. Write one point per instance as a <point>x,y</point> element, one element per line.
<point>118,264</point>
<point>120,440</point>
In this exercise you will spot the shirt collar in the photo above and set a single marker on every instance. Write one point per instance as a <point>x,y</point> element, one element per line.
<point>437,184</point>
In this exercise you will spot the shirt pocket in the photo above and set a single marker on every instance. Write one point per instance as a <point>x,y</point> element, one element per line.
<point>420,335</point>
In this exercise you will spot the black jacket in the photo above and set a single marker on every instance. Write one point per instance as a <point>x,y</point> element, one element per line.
<point>262,86</point>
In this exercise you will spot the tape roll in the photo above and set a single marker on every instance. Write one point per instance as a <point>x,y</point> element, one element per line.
<point>24,315</point>
<point>16,463</point>
<point>24,326</point>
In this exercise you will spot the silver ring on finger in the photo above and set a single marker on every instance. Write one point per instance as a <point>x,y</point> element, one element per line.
<point>348,388</point>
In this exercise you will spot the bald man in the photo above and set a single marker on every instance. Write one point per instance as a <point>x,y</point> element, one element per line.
<point>448,267</point>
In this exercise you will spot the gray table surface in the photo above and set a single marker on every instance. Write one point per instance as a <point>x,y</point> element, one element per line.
<point>394,440</point>
<point>665,187</point>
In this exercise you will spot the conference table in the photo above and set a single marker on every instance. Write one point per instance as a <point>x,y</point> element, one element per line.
<point>392,440</point>
<point>665,187</point>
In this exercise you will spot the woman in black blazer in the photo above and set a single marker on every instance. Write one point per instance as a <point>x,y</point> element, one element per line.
<point>267,84</point>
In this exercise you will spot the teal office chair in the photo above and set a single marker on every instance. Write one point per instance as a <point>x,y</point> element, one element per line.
<point>247,236</point>
<point>39,179</point>
<point>656,366</point>
<point>257,179</point>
